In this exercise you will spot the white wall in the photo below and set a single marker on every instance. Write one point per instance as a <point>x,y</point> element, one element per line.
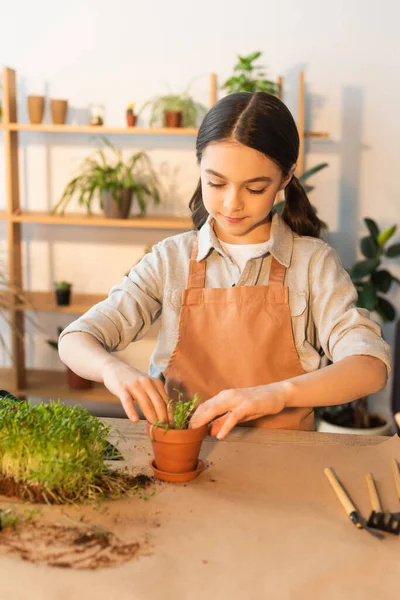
<point>118,52</point>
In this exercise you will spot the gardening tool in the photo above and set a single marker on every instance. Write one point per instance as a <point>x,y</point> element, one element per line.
<point>384,521</point>
<point>350,509</point>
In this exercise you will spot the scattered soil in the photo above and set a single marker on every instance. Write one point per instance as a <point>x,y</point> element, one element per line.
<point>67,547</point>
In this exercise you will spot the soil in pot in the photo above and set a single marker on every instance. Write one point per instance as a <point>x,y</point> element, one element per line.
<point>172,118</point>
<point>113,209</point>
<point>177,450</point>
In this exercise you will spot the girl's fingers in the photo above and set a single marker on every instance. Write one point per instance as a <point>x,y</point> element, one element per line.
<point>153,392</point>
<point>215,407</point>
<point>217,424</point>
<point>145,403</point>
<point>129,406</point>
<point>229,423</point>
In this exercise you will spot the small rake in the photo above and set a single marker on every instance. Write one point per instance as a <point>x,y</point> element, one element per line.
<point>380,519</point>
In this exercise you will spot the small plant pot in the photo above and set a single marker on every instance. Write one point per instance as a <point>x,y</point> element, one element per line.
<point>35,109</point>
<point>131,120</point>
<point>112,210</point>
<point>382,428</point>
<point>58,109</point>
<point>63,297</point>
<point>76,382</point>
<point>176,451</point>
<point>172,118</point>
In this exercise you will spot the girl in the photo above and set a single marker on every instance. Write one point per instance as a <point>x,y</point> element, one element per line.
<point>248,300</point>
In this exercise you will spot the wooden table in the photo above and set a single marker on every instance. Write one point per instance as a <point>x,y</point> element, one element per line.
<point>260,522</point>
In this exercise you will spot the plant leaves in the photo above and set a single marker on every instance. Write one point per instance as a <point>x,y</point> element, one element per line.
<point>367,297</point>
<point>312,171</point>
<point>369,247</point>
<point>386,235</point>
<point>364,267</point>
<point>385,309</point>
<point>372,226</point>
<point>382,280</point>
<point>393,251</point>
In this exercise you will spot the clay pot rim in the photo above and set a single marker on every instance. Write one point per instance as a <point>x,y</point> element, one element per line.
<point>58,100</point>
<point>177,477</point>
<point>177,436</point>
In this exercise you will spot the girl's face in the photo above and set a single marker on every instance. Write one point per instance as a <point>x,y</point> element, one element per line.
<point>239,186</point>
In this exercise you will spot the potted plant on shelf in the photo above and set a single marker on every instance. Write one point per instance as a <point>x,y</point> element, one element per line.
<point>131,118</point>
<point>74,381</point>
<point>176,446</point>
<point>249,77</point>
<point>372,284</point>
<point>116,181</point>
<point>175,110</point>
<point>63,292</point>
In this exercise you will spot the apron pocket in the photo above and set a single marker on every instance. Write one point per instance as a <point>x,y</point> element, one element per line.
<point>298,314</point>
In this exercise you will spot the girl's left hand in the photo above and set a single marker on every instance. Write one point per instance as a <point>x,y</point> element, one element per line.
<point>243,404</point>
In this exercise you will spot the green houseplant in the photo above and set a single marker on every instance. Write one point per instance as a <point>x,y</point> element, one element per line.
<point>176,446</point>
<point>372,282</point>
<point>174,110</point>
<point>63,292</point>
<point>54,453</point>
<point>249,77</point>
<point>115,180</point>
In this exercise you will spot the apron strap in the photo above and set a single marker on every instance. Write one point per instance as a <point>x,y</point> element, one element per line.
<point>277,272</point>
<point>197,270</point>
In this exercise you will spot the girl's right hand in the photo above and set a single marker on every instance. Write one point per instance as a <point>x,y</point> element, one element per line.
<point>131,385</point>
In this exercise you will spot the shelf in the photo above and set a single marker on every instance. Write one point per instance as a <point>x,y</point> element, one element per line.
<point>53,385</point>
<point>102,130</point>
<point>46,302</point>
<point>147,222</point>
<point>316,134</point>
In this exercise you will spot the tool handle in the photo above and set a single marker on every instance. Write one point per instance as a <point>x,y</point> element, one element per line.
<point>396,476</point>
<point>340,492</point>
<point>373,493</point>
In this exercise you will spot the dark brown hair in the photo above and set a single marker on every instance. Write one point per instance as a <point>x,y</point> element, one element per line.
<point>262,122</point>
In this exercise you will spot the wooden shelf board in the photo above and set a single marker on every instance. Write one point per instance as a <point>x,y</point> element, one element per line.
<point>316,134</point>
<point>46,302</point>
<point>147,222</point>
<point>49,128</point>
<point>53,385</point>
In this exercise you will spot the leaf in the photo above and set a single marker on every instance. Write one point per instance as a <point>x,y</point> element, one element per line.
<point>367,297</point>
<point>364,267</point>
<point>382,280</point>
<point>372,226</point>
<point>393,251</point>
<point>312,171</point>
<point>369,247</point>
<point>279,207</point>
<point>385,309</point>
<point>386,235</point>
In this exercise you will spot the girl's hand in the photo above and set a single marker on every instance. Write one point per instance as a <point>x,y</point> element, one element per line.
<point>131,385</point>
<point>238,405</point>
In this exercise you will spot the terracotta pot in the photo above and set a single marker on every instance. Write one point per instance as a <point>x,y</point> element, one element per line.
<point>131,120</point>
<point>63,297</point>
<point>76,382</point>
<point>36,109</point>
<point>111,208</point>
<point>176,450</point>
<point>58,109</point>
<point>172,118</point>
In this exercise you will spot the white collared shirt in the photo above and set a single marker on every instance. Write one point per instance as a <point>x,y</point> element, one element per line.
<point>322,297</point>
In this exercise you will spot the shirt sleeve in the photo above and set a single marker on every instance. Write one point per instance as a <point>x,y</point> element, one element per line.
<point>129,310</point>
<point>343,329</point>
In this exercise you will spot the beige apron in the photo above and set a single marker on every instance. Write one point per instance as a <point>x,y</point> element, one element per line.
<point>236,337</point>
